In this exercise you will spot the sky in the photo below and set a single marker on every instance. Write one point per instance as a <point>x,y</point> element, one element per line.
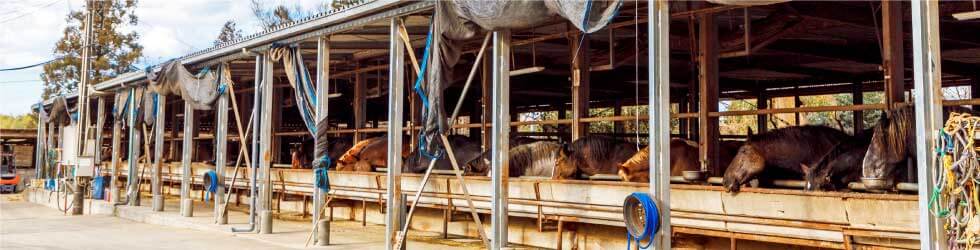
<point>29,30</point>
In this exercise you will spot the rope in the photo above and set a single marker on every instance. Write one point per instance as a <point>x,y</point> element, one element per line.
<point>954,197</point>
<point>210,184</point>
<point>321,178</point>
<point>642,219</point>
<point>425,100</point>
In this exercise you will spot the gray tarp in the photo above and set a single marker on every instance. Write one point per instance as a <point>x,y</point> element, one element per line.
<point>462,19</point>
<point>60,111</point>
<point>200,90</point>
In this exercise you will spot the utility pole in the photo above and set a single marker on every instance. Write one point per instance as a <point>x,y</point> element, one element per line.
<point>82,125</point>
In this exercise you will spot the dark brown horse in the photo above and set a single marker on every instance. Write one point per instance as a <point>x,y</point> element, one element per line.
<point>780,151</point>
<point>465,149</point>
<point>892,144</point>
<point>593,155</point>
<point>683,157</point>
<point>840,166</point>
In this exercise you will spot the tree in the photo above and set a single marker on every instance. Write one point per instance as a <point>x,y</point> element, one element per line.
<point>275,16</point>
<point>340,4</point>
<point>112,51</point>
<point>25,121</point>
<point>228,33</point>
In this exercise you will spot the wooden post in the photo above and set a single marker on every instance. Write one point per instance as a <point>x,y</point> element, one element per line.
<point>579,53</point>
<point>761,102</point>
<point>618,111</point>
<point>893,52</point>
<point>857,97</point>
<point>708,81</point>
<point>360,105</point>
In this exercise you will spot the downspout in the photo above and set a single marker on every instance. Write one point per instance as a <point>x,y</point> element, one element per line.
<point>255,144</point>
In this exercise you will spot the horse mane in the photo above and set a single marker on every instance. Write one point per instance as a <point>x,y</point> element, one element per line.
<point>598,145</point>
<point>893,133</point>
<point>639,159</point>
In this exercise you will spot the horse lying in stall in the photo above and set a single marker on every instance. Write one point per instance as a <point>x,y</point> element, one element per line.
<point>368,154</point>
<point>780,153</point>
<point>683,157</point>
<point>593,155</point>
<point>532,159</point>
<point>464,148</point>
<point>892,145</point>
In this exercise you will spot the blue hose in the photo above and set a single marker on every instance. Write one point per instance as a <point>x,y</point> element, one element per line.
<point>210,183</point>
<point>642,219</point>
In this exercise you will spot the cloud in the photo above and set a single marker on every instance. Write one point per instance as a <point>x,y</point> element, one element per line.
<point>167,28</point>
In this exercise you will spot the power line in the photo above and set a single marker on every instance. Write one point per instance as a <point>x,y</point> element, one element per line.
<point>29,12</point>
<point>19,81</point>
<point>30,66</point>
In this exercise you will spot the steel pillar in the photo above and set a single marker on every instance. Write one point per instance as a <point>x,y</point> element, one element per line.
<point>221,152</point>
<point>659,112</point>
<point>323,102</point>
<point>928,96</point>
<point>396,99</point>
<point>39,144</point>
<point>158,127</point>
<point>266,146</point>
<point>187,153</point>
<point>499,144</point>
<point>116,140</point>
<point>133,192</point>
<point>99,123</point>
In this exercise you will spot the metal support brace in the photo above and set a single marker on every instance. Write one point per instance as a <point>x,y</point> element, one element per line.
<point>39,145</point>
<point>396,99</point>
<point>928,96</point>
<point>114,168</point>
<point>659,113</point>
<point>186,203</point>
<point>500,137</point>
<point>221,155</point>
<point>158,128</point>
<point>99,123</point>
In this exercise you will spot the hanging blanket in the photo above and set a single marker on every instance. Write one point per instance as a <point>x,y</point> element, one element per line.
<point>198,90</point>
<point>460,20</point>
<point>305,96</point>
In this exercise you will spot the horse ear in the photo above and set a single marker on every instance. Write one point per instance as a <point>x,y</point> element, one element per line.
<point>805,168</point>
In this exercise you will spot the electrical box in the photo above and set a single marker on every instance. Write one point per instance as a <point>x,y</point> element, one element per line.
<point>85,167</point>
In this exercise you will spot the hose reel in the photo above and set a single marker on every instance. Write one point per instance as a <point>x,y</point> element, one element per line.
<point>642,218</point>
<point>210,183</point>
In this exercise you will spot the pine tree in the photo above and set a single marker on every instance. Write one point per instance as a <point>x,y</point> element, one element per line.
<point>275,16</point>
<point>229,32</point>
<point>340,4</point>
<point>112,51</point>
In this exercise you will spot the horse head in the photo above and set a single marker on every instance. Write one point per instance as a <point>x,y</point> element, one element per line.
<point>747,162</point>
<point>565,165</point>
<point>889,145</point>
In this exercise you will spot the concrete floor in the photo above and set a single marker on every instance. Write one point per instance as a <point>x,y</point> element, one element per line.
<point>25,225</point>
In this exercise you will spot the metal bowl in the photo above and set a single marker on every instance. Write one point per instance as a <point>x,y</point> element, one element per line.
<point>876,183</point>
<point>693,175</point>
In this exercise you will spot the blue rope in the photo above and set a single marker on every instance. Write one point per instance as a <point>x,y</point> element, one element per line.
<point>212,186</point>
<point>421,93</point>
<point>321,177</point>
<point>651,221</point>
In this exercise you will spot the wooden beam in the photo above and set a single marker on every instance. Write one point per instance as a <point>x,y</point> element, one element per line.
<point>708,81</point>
<point>761,102</point>
<point>893,55</point>
<point>579,52</point>
<point>857,96</point>
<point>360,105</point>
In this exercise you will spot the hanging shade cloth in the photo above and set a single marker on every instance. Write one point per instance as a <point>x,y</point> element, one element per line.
<point>305,95</point>
<point>459,20</point>
<point>198,90</point>
<point>60,111</point>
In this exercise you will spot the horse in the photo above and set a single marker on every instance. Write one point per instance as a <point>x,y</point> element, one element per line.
<point>593,155</point>
<point>683,157</point>
<point>367,155</point>
<point>533,159</point>
<point>298,157</point>
<point>464,148</point>
<point>891,144</point>
<point>780,153</point>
